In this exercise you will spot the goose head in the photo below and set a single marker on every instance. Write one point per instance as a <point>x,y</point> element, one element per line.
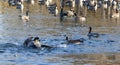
<point>37,42</point>
<point>67,38</point>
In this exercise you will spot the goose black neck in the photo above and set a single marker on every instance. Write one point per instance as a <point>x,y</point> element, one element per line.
<point>27,13</point>
<point>116,10</point>
<point>90,29</point>
<point>61,10</point>
<point>66,38</point>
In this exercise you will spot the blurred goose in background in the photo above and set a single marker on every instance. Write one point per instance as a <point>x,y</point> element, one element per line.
<point>20,6</point>
<point>11,3</point>
<point>70,13</point>
<point>115,14</point>
<point>56,11</point>
<point>32,2</point>
<point>91,34</point>
<point>41,2</point>
<point>48,2</point>
<point>25,18</point>
<point>53,9</point>
<point>82,18</point>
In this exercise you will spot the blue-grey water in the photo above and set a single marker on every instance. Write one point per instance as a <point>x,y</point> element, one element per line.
<point>97,51</point>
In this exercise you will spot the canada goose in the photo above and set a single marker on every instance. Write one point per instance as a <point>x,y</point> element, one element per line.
<point>56,11</point>
<point>32,2</point>
<point>48,2</point>
<point>53,9</point>
<point>114,4</point>
<point>95,7</point>
<point>76,41</point>
<point>92,2</point>
<point>91,34</point>
<point>69,13</point>
<point>73,3</point>
<point>116,15</point>
<point>34,43</point>
<point>81,3</point>
<point>25,18</point>
<point>82,18</point>
<point>11,3</point>
<point>28,42</point>
<point>38,44</point>
<point>41,2</point>
<point>21,6</point>
<point>105,5</point>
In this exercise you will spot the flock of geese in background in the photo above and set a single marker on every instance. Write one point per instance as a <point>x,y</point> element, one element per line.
<point>77,10</point>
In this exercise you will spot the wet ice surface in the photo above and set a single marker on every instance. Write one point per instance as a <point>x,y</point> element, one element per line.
<point>13,33</point>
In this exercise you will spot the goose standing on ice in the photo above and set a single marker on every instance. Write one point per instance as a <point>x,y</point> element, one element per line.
<point>21,7</point>
<point>116,15</point>
<point>56,11</point>
<point>48,2</point>
<point>25,18</point>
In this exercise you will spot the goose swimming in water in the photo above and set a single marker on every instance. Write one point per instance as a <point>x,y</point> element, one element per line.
<point>27,42</point>
<point>76,41</point>
<point>91,34</point>
<point>30,43</point>
<point>38,44</point>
